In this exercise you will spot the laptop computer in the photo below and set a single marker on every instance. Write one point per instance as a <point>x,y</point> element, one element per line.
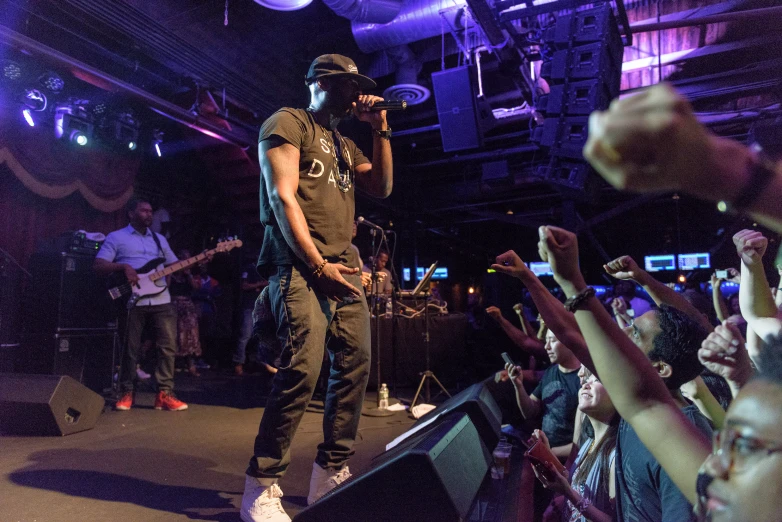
<point>422,284</point>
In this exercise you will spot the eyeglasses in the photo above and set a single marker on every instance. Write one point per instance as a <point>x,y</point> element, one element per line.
<point>738,453</point>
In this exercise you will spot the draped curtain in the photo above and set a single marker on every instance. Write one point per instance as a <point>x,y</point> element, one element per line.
<point>49,186</point>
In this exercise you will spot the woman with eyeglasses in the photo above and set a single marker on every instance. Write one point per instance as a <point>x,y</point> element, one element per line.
<point>590,493</point>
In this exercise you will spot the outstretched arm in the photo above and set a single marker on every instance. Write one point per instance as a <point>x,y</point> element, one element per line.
<point>562,323</point>
<point>519,338</point>
<point>625,267</point>
<point>754,292</point>
<point>652,142</point>
<point>639,394</point>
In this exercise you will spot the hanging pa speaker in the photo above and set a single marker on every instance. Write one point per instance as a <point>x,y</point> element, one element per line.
<point>433,475</point>
<point>463,116</point>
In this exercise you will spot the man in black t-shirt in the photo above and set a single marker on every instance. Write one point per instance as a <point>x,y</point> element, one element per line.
<point>309,174</point>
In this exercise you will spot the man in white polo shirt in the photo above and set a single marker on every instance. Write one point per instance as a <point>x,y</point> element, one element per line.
<point>126,250</point>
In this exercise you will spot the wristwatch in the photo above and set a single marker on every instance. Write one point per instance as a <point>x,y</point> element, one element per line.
<point>385,134</point>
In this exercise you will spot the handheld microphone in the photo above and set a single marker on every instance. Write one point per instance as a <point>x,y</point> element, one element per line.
<point>389,105</point>
<point>362,221</point>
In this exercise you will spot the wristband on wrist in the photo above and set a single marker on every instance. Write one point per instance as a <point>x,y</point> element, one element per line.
<point>319,270</point>
<point>385,134</point>
<point>761,173</point>
<point>577,301</point>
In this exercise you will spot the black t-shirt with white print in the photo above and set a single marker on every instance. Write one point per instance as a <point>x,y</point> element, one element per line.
<point>328,210</point>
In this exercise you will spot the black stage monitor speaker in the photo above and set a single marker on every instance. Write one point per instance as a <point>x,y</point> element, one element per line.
<point>432,476</point>
<point>46,405</point>
<point>477,402</point>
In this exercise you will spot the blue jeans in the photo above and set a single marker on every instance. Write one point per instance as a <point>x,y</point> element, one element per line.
<point>245,332</point>
<point>307,323</point>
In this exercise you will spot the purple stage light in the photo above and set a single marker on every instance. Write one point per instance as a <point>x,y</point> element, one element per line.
<point>28,117</point>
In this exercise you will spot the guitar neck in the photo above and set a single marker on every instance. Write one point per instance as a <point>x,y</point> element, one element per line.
<point>179,265</point>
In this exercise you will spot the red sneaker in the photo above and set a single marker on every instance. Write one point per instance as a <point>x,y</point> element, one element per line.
<point>125,402</point>
<point>166,400</point>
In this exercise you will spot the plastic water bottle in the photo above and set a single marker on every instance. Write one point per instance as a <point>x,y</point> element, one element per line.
<point>383,394</point>
<point>389,308</point>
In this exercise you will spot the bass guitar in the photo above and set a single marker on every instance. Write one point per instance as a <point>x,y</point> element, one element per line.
<point>152,282</point>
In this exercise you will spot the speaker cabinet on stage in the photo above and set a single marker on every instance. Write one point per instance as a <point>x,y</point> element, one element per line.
<point>463,116</point>
<point>477,402</point>
<point>65,294</point>
<point>433,476</point>
<point>89,358</point>
<point>46,405</point>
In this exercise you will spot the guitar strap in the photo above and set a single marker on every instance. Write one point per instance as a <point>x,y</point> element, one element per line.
<point>157,242</point>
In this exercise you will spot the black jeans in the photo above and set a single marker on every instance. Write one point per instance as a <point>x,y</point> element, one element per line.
<point>307,322</point>
<point>162,319</point>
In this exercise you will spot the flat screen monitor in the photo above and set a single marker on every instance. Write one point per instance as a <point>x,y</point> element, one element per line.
<point>541,269</point>
<point>659,263</point>
<point>694,261</point>
<point>406,274</point>
<point>441,272</point>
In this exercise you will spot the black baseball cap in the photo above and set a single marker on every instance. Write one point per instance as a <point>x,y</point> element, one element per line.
<point>333,65</point>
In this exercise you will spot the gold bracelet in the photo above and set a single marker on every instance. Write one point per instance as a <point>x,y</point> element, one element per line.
<point>319,270</point>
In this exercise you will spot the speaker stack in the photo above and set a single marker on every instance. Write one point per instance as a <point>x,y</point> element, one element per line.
<point>432,472</point>
<point>69,321</point>
<point>583,67</point>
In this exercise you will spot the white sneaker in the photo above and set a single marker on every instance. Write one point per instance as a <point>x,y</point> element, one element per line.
<point>324,480</point>
<point>141,374</point>
<point>262,503</point>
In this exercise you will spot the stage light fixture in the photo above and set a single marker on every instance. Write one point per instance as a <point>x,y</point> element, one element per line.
<point>11,70</point>
<point>157,140</point>
<point>28,117</point>
<point>126,130</point>
<point>52,81</point>
<point>73,122</point>
<point>79,138</point>
<point>34,100</point>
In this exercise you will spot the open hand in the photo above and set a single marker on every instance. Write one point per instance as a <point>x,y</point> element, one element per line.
<point>332,283</point>
<point>750,245</point>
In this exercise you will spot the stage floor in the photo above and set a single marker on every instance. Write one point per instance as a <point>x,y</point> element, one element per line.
<point>161,466</point>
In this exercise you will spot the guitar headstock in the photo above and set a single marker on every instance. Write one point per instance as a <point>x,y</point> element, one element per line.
<point>228,245</point>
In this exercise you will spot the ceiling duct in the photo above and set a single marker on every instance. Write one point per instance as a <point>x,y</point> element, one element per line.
<point>407,68</point>
<point>417,20</point>
<point>366,11</point>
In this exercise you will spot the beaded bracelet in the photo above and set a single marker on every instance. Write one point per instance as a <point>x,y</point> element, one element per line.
<point>575,302</point>
<point>319,270</point>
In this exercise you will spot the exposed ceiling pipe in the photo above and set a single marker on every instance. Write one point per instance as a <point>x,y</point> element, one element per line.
<point>417,20</point>
<point>159,105</point>
<point>366,11</point>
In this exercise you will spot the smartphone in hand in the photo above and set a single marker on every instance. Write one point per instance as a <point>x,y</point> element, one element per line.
<point>507,359</point>
<point>722,274</point>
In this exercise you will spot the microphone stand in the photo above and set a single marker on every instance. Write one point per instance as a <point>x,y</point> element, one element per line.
<point>376,411</point>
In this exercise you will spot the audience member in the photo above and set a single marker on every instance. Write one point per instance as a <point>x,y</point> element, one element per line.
<point>251,287</point>
<point>590,494</point>
<point>182,286</point>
